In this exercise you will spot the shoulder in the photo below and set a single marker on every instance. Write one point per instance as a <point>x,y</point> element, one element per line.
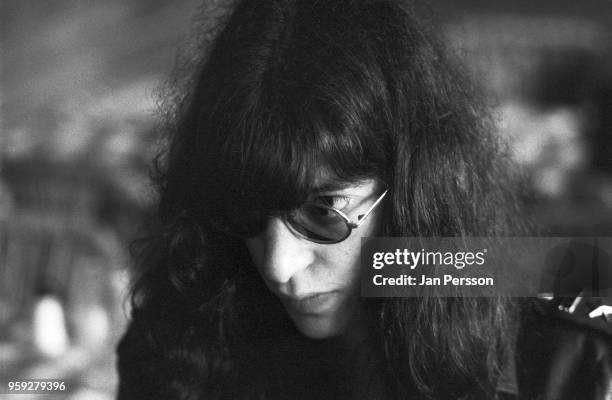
<point>149,369</point>
<point>136,365</point>
<point>564,348</point>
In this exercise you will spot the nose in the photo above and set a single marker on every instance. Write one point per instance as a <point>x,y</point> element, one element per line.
<point>284,253</point>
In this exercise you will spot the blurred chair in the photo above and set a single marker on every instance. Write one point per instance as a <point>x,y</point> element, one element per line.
<point>60,308</point>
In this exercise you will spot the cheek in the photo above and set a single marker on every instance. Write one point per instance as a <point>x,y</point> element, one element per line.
<point>346,255</point>
<point>344,260</point>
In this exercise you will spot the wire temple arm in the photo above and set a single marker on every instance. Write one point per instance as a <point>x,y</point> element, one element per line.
<point>362,217</point>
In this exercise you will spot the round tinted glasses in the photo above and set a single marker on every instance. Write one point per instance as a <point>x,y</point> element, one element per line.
<point>325,224</point>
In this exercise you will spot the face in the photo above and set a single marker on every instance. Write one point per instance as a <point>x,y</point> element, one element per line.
<point>318,284</point>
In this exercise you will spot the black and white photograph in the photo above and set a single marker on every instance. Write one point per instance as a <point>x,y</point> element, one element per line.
<point>306,199</point>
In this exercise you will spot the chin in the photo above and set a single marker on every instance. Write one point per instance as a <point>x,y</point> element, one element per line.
<point>316,327</point>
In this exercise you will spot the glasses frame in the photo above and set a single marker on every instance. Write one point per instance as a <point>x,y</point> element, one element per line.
<point>351,225</point>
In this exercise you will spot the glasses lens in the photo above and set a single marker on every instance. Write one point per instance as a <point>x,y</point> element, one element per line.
<point>319,223</point>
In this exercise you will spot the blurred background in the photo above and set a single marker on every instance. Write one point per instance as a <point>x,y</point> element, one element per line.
<point>77,98</point>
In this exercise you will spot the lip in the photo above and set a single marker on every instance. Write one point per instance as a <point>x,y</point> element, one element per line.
<point>312,304</point>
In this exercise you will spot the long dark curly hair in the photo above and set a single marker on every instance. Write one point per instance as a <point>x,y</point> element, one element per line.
<point>273,91</point>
